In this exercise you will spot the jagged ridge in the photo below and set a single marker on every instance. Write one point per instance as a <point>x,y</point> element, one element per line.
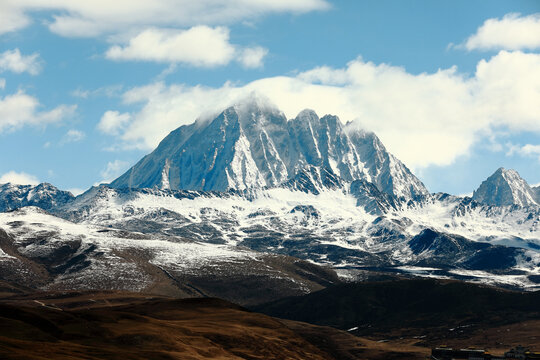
<point>253,145</point>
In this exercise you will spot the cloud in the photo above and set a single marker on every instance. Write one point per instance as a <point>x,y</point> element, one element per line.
<point>12,17</point>
<point>424,119</point>
<point>529,150</point>
<point>76,191</point>
<point>82,18</point>
<point>110,91</point>
<point>73,136</point>
<point>112,122</point>
<point>198,46</point>
<point>253,57</point>
<point>20,178</point>
<point>12,60</point>
<point>512,32</point>
<point>113,170</point>
<point>2,83</point>
<point>19,109</point>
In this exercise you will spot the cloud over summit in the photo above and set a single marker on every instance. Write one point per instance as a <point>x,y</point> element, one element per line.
<point>445,111</point>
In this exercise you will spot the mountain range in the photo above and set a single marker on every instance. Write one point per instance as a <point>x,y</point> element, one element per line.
<point>249,197</point>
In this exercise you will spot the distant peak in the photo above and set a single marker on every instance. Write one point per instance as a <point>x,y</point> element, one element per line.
<point>505,187</point>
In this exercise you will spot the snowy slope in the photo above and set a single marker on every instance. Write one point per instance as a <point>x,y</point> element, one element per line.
<point>43,251</point>
<point>355,226</point>
<point>536,190</point>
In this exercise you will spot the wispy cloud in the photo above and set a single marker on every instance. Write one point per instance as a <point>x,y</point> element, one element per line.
<point>529,150</point>
<point>72,136</point>
<point>20,109</point>
<point>110,91</point>
<point>20,178</point>
<point>112,170</point>
<point>14,61</point>
<point>76,191</point>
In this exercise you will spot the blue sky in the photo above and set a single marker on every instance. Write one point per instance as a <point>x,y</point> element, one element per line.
<point>88,88</point>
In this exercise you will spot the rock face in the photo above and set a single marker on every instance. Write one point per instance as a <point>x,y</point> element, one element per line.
<point>506,187</point>
<point>44,195</point>
<point>536,190</point>
<point>254,146</point>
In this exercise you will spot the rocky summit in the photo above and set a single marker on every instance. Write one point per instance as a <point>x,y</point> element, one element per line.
<point>254,146</point>
<point>506,187</point>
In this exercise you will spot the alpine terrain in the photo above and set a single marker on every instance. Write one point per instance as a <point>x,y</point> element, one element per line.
<point>250,200</point>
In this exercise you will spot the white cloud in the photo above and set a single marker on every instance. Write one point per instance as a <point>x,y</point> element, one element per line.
<point>113,170</point>
<point>253,57</point>
<point>112,122</point>
<point>2,83</point>
<point>82,18</point>
<point>73,135</point>
<point>530,149</point>
<point>512,32</point>
<point>20,109</point>
<point>524,150</point>
<point>76,191</point>
<point>20,178</point>
<point>198,46</point>
<point>424,119</point>
<point>12,60</point>
<point>12,17</point>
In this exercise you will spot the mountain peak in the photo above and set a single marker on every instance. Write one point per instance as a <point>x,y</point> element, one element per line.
<point>307,114</point>
<point>506,187</point>
<point>44,195</point>
<point>253,145</point>
<point>254,102</point>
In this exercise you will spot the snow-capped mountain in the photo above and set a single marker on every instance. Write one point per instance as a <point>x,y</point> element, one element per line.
<point>310,188</point>
<point>41,251</point>
<point>506,187</point>
<point>351,227</point>
<point>254,146</point>
<point>44,195</point>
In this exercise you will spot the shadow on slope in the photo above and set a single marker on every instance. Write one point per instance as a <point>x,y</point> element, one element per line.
<point>415,305</point>
<point>110,325</point>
